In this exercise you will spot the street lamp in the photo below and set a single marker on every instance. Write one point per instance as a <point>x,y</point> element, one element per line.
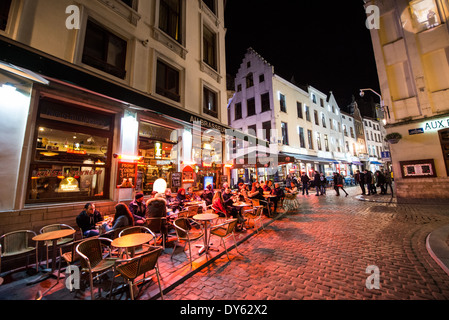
<point>382,105</point>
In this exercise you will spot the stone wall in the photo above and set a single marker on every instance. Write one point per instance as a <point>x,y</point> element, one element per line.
<point>423,190</point>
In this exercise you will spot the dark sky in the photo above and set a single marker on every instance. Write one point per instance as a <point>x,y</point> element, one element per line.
<point>321,43</point>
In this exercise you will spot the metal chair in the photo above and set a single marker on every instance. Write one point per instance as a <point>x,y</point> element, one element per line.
<point>92,260</point>
<point>130,269</point>
<point>158,225</point>
<point>225,230</point>
<point>183,234</point>
<point>255,215</point>
<point>54,227</point>
<point>17,243</point>
<point>70,256</point>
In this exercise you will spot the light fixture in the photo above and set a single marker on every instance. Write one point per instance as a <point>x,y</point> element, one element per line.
<point>160,185</point>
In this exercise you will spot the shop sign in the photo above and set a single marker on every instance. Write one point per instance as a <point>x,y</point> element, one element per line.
<point>207,124</point>
<point>158,150</point>
<point>415,131</point>
<point>176,179</point>
<point>436,124</point>
<point>126,174</point>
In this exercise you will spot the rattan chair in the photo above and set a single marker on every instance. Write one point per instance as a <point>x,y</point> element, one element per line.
<point>68,254</point>
<point>225,230</point>
<point>183,234</point>
<point>54,227</point>
<point>17,243</point>
<point>158,225</point>
<point>131,269</point>
<point>255,215</point>
<point>93,261</point>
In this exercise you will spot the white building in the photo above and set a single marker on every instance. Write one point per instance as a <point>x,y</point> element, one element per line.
<point>374,137</point>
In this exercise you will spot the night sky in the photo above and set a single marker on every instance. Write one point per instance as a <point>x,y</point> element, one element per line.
<point>324,44</point>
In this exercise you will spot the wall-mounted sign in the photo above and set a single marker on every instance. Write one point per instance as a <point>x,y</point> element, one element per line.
<point>176,179</point>
<point>435,125</point>
<point>416,131</point>
<point>157,150</point>
<point>418,169</point>
<point>126,174</point>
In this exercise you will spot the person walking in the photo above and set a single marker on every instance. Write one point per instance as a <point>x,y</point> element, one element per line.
<point>380,178</point>
<point>338,183</point>
<point>388,182</point>
<point>305,183</point>
<point>368,180</point>
<point>323,183</point>
<point>360,180</point>
<point>317,182</point>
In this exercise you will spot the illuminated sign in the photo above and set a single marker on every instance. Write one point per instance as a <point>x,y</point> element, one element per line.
<point>157,150</point>
<point>69,184</point>
<point>436,125</point>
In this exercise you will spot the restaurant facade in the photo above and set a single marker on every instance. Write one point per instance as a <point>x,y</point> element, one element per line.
<point>83,130</point>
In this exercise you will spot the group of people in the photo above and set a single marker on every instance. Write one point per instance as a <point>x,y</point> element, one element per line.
<point>369,182</point>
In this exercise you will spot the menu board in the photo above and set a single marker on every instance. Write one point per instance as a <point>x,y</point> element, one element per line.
<point>126,175</point>
<point>176,179</point>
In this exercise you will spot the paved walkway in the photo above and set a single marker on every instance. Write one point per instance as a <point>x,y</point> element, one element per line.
<point>320,252</point>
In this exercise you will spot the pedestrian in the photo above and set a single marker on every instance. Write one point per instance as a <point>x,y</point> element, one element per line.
<point>138,209</point>
<point>368,180</point>
<point>360,180</point>
<point>87,220</point>
<point>388,182</point>
<point>317,182</point>
<point>323,183</point>
<point>380,178</point>
<point>305,183</point>
<point>338,183</point>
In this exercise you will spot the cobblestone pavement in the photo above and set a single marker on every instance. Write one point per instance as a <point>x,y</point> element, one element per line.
<point>323,252</point>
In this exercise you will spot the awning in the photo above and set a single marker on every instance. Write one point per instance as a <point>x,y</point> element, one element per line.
<point>306,157</point>
<point>357,163</point>
<point>376,162</point>
<point>25,73</point>
<point>261,160</point>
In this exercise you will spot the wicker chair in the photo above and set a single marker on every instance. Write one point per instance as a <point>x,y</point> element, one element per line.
<point>130,269</point>
<point>17,243</point>
<point>70,255</point>
<point>54,227</point>
<point>92,260</point>
<point>158,225</point>
<point>183,234</point>
<point>255,215</point>
<point>225,230</point>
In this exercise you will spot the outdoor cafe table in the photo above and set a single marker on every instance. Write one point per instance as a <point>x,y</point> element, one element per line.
<point>205,218</point>
<point>131,241</point>
<point>53,236</point>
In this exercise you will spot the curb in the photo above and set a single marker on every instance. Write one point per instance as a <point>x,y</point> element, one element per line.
<point>362,198</point>
<point>437,247</point>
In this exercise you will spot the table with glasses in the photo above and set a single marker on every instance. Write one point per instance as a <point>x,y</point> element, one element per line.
<point>205,218</point>
<point>131,241</point>
<point>53,236</point>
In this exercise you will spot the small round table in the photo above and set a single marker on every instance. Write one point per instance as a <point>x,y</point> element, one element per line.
<point>205,218</point>
<point>131,241</point>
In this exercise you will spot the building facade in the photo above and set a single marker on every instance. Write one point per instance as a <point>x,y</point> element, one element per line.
<point>101,98</point>
<point>410,47</point>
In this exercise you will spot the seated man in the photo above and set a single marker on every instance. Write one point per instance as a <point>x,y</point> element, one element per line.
<point>279,193</point>
<point>87,220</point>
<point>138,209</point>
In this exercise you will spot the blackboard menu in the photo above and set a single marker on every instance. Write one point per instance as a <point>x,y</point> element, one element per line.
<point>176,178</point>
<point>126,175</point>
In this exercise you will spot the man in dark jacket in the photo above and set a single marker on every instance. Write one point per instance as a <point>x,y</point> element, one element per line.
<point>138,209</point>
<point>317,182</point>
<point>305,183</point>
<point>279,193</point>
<point>87,219</point>
<point>368,179</point>
<point>359,177</point>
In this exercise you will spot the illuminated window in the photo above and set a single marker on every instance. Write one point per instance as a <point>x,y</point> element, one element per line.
<point>425,14</point>
<point>170,18</point>
<point>210,102</point>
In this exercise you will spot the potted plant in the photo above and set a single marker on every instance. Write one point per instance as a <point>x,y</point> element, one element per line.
<point>393,137</point>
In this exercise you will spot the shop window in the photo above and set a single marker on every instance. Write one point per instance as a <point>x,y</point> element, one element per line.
<point>210,102</point>
<point>167,81</point>
<point>5,6</point>
<point>72,155</point>
<point>209,48</point>
<point>170,18</point>
<point>425,14</point>
<point>104,50</point>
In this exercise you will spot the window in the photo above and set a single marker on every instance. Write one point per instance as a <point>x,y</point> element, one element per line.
<point>211,5</point>
<point>238,111</point>
<point>167,81</point>
<point>284,130</point>
<point>318,140</point>
<point>326,142</point>
<point>261,78</point>
<point>239,88</point>
<point>345,130</point>
<point>315,113</point>
<point>425,14</point>
<point>323,120</point>
<point>299,109</point>
<point>209,48</point>
<point>352,132</point>
<point>266,126</point>
<point>5,6</point>
<point>72,154</point>
<point>331,124</point>
<point>251,107</point>
<point>310,138</point>
<point>313,98</point>
<point>249,80</point>
<point>308,113</point>
<point>131,3</point>
<point>347,147</point>
<point>322,102</point>
<point>283,103</point>
<point>265,101</point>
<point>104,50</point>
<point>302,141</point>
<point>210,102</point>
<point>170,18</point>
<point>252,130</point>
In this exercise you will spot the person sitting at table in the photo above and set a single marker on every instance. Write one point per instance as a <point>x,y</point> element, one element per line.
<point>228,201</point>
<point>279,193</point>
<point>268,186</point>
<point>180,200</point>
<point>138,209</point>
<point>87,220</point>
<point>292,188</point>
<point>256,192</point>
<point>170,200</point>
<point>122,218</point>
<point>217,204</point>
<point>208,195</point>
<point>191,196</point>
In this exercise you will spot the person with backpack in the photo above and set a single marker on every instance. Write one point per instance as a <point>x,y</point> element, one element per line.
<point>338,183</point>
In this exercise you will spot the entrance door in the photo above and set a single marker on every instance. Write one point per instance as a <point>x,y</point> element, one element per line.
<point>444,139</point>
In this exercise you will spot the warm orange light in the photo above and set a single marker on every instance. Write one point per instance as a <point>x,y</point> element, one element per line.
<point>207,164</point>
<point>125,157</point>
<point>228,165</point>
<point>189,163</point>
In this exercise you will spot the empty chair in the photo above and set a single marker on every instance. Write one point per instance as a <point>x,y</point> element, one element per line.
<point>255,215</point>
<point>158,225</point>
<point>131,269</point>
<point>225,230</point>
<point>17,243</point>
<point>92,260</point>
<point>183,233</point>
<point>54,227</point>
<point>68,254</point>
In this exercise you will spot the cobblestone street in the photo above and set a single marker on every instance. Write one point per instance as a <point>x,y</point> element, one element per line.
<point>323,251</point>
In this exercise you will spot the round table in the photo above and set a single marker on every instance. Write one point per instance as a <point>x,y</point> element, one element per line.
<point>242,204</point>
<point>205,218</point>
<point>131,241</point>
<point>53,236</point>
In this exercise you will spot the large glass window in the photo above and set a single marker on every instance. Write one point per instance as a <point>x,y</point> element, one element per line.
<point>425,14</point>
<point>72,156</point>
<point>170,18</point>
<point>104,50</point>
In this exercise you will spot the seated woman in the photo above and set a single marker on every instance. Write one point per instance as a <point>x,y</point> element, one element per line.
<point>169,199</point>
<point>228,201</point>
<point>181,199</point>
<point>122,218</point>
<point>256,192</point>
<point>217,204</point>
